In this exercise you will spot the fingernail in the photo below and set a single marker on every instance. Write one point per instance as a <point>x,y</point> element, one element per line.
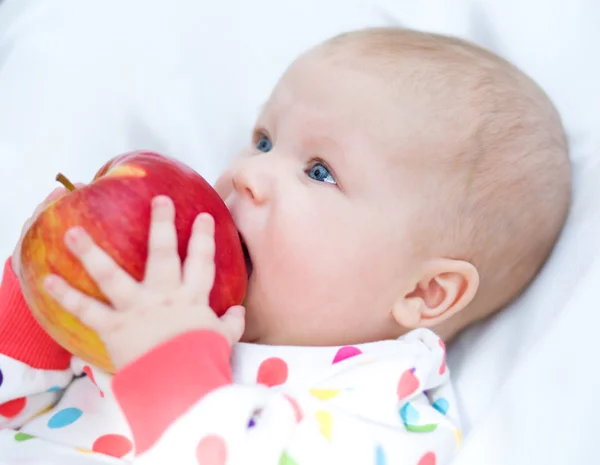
<point>238,310</point>
<point>161,201</point>
<point>74,235</point>
<point>200,220</point>
<point>50,282</point>
<point>205,217</point>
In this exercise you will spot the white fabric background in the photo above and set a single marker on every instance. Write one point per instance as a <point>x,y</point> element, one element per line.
<point>83,81</point>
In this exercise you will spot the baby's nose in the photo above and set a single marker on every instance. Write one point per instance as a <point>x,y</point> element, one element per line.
<point>251,184</point>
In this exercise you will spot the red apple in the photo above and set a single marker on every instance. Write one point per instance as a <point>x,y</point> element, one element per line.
<point>115,209</point>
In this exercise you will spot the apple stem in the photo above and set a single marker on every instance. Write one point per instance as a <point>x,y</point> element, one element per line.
<point>65,182</point>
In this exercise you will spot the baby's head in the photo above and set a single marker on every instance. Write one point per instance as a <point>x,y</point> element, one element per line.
<point>395,180</point>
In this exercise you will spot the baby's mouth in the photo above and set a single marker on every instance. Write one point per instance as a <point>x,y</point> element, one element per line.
<point>246,256</point>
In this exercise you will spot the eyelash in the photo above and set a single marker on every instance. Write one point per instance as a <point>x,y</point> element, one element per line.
<point>320,161</point>
<point>258,133</point>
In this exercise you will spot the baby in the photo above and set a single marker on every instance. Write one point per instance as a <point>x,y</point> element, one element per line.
<point>398,184</point>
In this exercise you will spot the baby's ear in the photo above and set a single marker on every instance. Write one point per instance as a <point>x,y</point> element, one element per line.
<point>445,287</point>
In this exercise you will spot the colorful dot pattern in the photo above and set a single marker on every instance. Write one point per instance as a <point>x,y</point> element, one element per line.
<point>441,405</point>
<point>380,458</point>
<point>287,460</point>
<point>271,372</point>
<point>325,421</point>
<point>295,406</point>
<point>428,459</point>
<point>114,445</point>
<point>408,384</point>
<point>442,369</point>
<point>409,414</point>
<point>345,353</point>
<point>324,394</point>
<point>64,418</point>
<point>21,437</point>
<point>211,450</point>
<point>90,374</point>
<point>13,408</point>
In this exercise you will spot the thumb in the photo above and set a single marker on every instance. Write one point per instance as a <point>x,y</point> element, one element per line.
<point>234,322</point>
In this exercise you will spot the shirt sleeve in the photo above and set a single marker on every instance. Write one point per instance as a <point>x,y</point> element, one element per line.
<point>372,409</point>
<point>33,367</point>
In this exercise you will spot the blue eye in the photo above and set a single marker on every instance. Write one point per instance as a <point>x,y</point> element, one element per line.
<point>319,172</point>
<point>264,144</point>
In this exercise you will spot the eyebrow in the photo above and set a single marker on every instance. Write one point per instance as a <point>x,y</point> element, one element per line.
<point>329,145</point>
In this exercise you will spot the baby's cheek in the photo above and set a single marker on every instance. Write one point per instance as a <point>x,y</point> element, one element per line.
<point>224,186</point>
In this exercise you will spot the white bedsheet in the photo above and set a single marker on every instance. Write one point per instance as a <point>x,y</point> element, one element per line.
<point>81,81</point>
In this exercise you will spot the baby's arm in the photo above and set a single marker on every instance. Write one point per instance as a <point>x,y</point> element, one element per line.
<point>372,409</point>
<point>33,368</point>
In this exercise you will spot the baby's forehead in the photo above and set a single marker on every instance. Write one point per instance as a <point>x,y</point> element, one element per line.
<point>420,99</point>
<point>411,82</point>
<point>320,87</point>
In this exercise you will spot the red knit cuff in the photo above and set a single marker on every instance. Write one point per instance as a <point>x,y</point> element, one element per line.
<point>21,336</point>
<point>159,387</point>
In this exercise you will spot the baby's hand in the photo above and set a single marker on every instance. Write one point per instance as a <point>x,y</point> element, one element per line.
<point>171,299</point>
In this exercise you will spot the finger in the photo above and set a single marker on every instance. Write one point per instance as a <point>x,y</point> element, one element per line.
<point>234,323</point>
<point>116,284</point>
<point>199,267</point>
<point>163,268</point>
<point>90,311</point>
